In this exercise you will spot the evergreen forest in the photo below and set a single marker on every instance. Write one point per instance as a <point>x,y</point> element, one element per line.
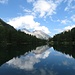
<point>65,37</point>
<point>9,35</point>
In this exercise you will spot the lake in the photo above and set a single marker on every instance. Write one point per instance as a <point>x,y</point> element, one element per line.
<point>42,60</point>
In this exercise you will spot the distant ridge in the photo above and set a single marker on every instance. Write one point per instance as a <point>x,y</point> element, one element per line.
<point>38,33</point>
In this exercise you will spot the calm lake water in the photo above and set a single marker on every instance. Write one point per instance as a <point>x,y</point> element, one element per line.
<point>43,60</point>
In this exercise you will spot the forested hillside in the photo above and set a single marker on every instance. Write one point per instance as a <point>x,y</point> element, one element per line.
<point>9,35</point>
<point>66,37</point>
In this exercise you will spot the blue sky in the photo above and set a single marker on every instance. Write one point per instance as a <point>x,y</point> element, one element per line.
<point>50,16</point>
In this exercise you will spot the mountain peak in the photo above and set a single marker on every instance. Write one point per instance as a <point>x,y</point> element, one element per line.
<point>41,34</point>
<point>38,33</point>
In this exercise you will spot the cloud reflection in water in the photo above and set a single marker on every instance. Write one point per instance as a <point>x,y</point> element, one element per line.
<point>28,61</point>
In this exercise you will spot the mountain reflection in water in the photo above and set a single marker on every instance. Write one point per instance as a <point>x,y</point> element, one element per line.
<point>41,61</point>
<point>27,61</point>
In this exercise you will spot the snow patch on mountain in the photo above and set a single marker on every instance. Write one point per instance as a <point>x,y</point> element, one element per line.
<point>38,33</point>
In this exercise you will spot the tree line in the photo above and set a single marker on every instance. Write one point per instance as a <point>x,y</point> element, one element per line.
<point>9,35</point>
<point>66,37</point>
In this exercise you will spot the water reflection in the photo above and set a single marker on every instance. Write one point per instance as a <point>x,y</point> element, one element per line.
<point>41,61</point>
<point>69,50</point>
<point>27,62</point>
<point>10,51</point>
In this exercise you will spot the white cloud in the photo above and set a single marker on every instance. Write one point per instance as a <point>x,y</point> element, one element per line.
<point>27,11</point>
<point>43,28</point>
<point>30,1</point>
<point>69,27</point>
<point>73,7</point>
<point>73,18</point>
<point>69,5</point>
<point>65,21</point>
<point>44,7</point>
<point>3,1</point>
<point>27,22</point>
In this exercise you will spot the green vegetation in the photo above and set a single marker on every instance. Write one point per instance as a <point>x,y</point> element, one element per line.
<point>66,37</point>
<point>9,35</point>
